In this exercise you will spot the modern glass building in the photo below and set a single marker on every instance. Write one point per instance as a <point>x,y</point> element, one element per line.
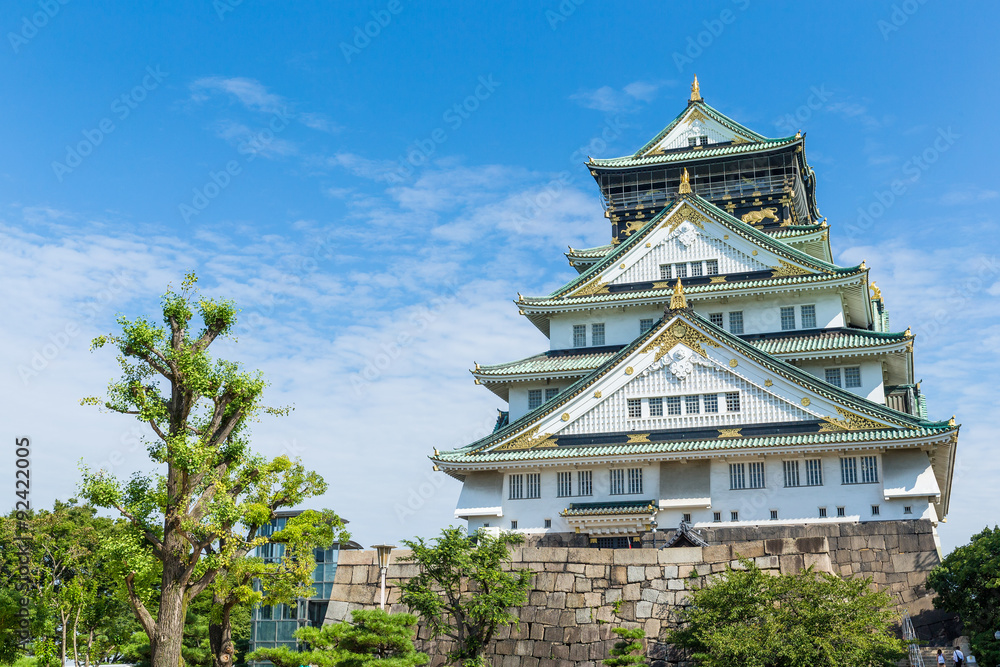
<point>273,626</point>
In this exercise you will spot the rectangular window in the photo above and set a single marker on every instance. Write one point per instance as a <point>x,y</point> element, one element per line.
<point>516,484</point>
<point>579,335</point>
<point>551,393</point>
<point>788,318</point>
<point>736,322</point>
<point>822,512</point>
<point>734,515</point>
<point>907,509</point>
<point>703,139</point>
<point>680,270</point>
<point>814,472</point>
<point>534,398</point>
<point>695,268</point>
<point>874,510</point>
<point>645,325</point>
<point>656,407</point>
<point>737,476</point>
<point>774,515</point>
<point>791,473</point>
<point>635,480</point>
<point>692,141</point>
<point>692,405</point>
<point>686,518</point>
<point>841,511</point>
<point>534,481</point>
<point>617,482</point>
<point>664,272</point>
<point>673,405</point>
<point>869,469</point>
<point>716,319</point>
<point>634,407</point>
<point>711,402</point>
<point>597,334</point>
<point>755,474</point>
<point>808,317</point>
<point>732,401</point>
<point>513,524</point>
<point>564,484</point>
<point>585,483</point>
<point>716,517</point>
<point>832,375</point>
<point>548,523</point>
<point>852,376</point>
<point>849,471</point>
<point>712,267</point>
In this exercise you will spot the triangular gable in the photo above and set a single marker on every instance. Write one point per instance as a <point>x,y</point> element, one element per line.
<point>685,338</point>
<point>698,120</point>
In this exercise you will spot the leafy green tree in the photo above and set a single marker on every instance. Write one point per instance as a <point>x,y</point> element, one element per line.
<point>374,637</point>
<point>627,650</point>
<point>465,589</point>
<point>200,513</point>
<point>750,618</point>
<point>967,583</point>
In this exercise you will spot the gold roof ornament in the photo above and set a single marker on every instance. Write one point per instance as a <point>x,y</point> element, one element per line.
<point>678,301</point>
<point>908,333</point>
<point>685,186</point>
<point>695,90</point>
<point>951,422</point>
<point>798,135</point>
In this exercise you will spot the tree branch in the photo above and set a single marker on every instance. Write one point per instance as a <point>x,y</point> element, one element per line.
<point>145,618</point>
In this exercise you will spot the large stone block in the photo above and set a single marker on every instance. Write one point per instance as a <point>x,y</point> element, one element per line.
<point>619,575</point>
<point>779,546</point>
<point>748,549</point>
<point>564,582</point>
<point>791,563</point>
<point>675,555</point>
<point>557,601</point>
<point>636,573</point>
<point>596,571</point>
<point>545,581</point>
<point>718,553</point>
<point>635,556</point>
<point>819,562</point>
<point>643,609</point>
<point>359,557</point>
<point>544,554</point>
<point>575,601</point>
<point>908,562</point>
<point>631,592</point>
<point>591,556</point>
<point>812,545</point>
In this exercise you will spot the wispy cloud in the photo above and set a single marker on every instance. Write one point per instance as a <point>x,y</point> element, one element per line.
<point>969,195</point>
<point>613,100</point>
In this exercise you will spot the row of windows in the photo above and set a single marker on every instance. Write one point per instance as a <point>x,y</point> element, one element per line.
<point>694,404</point>
<point>535,396</point>
<point>734,515</point>
<point>622,481</point>
<point>807,317</point>
<point>843,377</point>
<point>751,475</point>
<point>708,267</point>
<point>735,320</point>
<point>596,334</point>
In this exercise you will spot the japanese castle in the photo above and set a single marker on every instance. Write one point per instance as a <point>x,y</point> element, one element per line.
<point>710,367</point>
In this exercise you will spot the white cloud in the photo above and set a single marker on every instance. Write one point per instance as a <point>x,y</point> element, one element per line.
<point>612,100</point>
<point>249,92</point>
<point>968,195</point>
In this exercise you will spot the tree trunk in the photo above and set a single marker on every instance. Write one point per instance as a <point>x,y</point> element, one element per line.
<point>90,644</point>
<point>220,636</point>
<point>76,624</point>
<point>64,617</point>
<point>168,636</point>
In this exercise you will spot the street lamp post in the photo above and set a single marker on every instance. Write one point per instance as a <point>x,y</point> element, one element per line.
<point>382,551</point>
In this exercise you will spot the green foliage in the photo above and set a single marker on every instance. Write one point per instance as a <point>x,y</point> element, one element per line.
<point>465,589</point>
<point>373,638</point>
<point>627,650</point>
<point>753,619</point>
<point>968,584</point>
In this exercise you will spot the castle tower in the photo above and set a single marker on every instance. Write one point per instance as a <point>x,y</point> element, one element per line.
<point>710,367</point>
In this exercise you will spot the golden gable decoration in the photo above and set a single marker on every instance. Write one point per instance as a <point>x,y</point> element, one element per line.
<point>595,286</point>
<point>679,332</point>
<point>528,440</point>
<point>848,422</point>
<point>685,213</point>
<point>786,269</point>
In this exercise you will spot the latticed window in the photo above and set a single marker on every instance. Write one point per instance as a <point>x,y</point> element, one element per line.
<point>551,393</point>
<point>849,471</point>
<point>692,405</point>
<point>875,511</point>
<point>516,486</point>
<point>711,402</point>
<point>673,405</point>
<point>841,511</point>
<point>634,407</point>
<point>585,482</point>
<point>597,334</point>
<point>617,482</point>
<point>712,267</point>
<point>734,515</point>
<point>656,407</point>
<point>787,318</point>
<point>832,375</point>
<point>822,512</point>
<point>564,484</point>
<point>755,475</point>
<point>732,401</point>
<point>852,376</point>
<point>736,322</point>
<point>716,319</point>
<point>808,317</point>
<point>645,325</point>
<point>534,398</point>
<point>635,480</point>
<point>695,268</point>
<point>791,473</point>
<point>869,469</point>
<point>680,270</point>
<point>579,335</point>
<point>664,272</point>
<point>534,481</point>
<point>737,476</point>
<point>814,472</point>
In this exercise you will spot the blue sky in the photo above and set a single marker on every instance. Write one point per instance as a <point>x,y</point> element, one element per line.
<point>375,202</point>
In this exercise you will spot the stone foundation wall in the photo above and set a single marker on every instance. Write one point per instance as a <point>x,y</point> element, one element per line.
<point>579,594</point>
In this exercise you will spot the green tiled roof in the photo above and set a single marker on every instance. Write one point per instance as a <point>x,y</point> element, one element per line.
<point>681,156</point>
<point>604,509</point>
<point>599,251</point>
<point>542,363</point>
<point>825,342</point>
<point>792,231</point>
<point>831,438</point>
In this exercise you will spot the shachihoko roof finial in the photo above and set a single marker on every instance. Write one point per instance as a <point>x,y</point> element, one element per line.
<point>678,301</point>
<point>695,90</point>
<point>685,186</point>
